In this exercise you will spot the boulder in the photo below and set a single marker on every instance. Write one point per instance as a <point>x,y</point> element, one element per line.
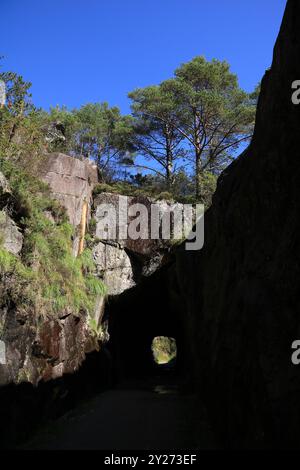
<point>4,186</point>
<point>71,181</point>
<point>114,267</point>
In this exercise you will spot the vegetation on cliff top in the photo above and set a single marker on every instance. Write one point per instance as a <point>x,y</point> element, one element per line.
<point>46,275</point>
<point>179,136</point>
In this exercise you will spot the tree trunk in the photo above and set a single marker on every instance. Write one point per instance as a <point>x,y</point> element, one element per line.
<point>169,164</point>
<point>198,153</point>
<point>169,174</point>
<point>198,175</point>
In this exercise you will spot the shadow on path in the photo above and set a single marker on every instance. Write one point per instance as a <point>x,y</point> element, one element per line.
<point>141,415</point>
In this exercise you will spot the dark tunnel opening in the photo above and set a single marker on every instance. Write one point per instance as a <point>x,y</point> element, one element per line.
<point>152,309</point>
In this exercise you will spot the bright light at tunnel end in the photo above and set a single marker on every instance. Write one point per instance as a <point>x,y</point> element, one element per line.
<point>173,222</point>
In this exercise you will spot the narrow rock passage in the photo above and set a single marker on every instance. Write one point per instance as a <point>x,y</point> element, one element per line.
<point>137,415</point>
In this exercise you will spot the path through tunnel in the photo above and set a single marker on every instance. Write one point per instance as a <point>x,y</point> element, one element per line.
<point>147,406</point>
<point>136,317</point>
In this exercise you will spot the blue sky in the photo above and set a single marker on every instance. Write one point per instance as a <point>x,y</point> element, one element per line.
<point>78,51</point>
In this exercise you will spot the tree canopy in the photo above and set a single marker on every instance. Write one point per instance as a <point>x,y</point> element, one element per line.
<point>183,131</point>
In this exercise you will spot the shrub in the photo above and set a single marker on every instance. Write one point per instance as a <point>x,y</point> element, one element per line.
<point>165,196</point>
<point>103,188</point>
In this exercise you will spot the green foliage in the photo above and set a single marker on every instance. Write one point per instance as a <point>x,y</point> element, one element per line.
<point>94,131</point>
<point>23,278</point>
<point>164,196</point>
<point>153,187</point>
<point>255,94</point>
<point>196,120</point>
<point>68,281</point>
<point>208,183</point>
<point>92,228</point>
<point>155,136</point>
<point>96,329</point>
<point>7,261</point>
<point>213,113</point>
<point>104,188</point>
<point>182,132</point>
<point>66,119</point>
<point>183,128</point>
<point>94,286</point>
<point>18,98</point>
<point>20,126</point>
<point>126,189</point>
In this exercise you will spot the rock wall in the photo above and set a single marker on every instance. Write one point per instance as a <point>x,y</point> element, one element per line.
<point>71,181</point>
<point>242,290</point>
<point>239,296</point>
<point>45,349</point>
<point>37,347</point>
<point>10,236</point>
<point>41,347</point>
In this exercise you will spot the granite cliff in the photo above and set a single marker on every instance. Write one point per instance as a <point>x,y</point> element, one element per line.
<point>242,290</point>
<point>42,345</point>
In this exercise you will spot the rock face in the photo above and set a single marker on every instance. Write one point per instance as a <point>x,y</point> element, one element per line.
<point>123,261</point>
<point>40,347</point>
<point>10,235</point>
<point>242,290</point>
<point>41,350</point>
<point>71,181</point>
<point>114,267</point>
<point>5,191</point>
<point>4,186</point>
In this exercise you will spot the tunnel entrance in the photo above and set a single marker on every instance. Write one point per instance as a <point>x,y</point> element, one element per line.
<point>147,327</point>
